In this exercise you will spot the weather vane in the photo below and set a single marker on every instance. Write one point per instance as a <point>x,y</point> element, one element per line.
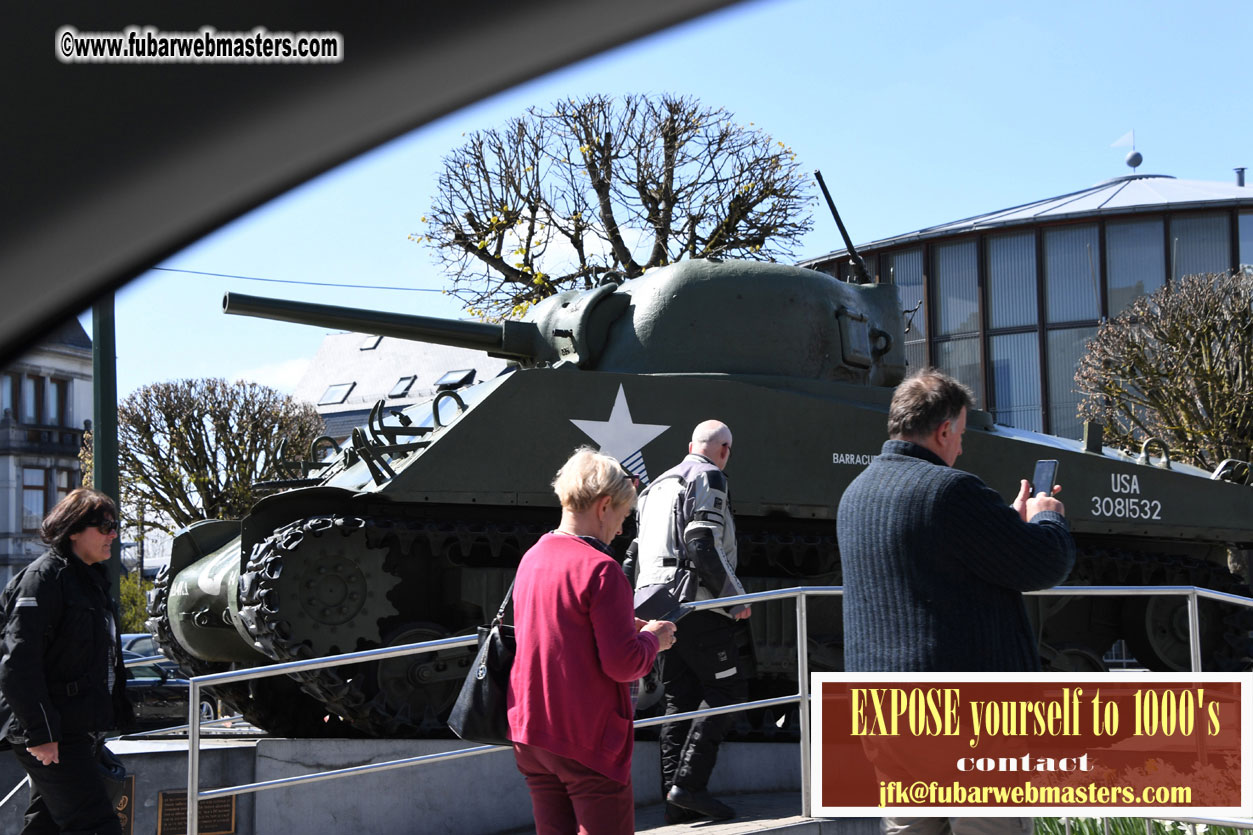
<point>1134,157</point>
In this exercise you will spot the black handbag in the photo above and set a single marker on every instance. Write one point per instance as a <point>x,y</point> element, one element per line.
<point>113,774</point>
<point>479,714</point>
<point>662,600</point>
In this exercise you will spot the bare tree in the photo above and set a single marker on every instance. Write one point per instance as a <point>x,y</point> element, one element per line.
<point>557,198</point>
<point>1178,365</point>
<point>192,449</point>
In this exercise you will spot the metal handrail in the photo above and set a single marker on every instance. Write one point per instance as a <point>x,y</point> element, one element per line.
<point>801,697</point>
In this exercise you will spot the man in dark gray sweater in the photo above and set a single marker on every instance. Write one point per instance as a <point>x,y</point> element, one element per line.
<point>935,562</point>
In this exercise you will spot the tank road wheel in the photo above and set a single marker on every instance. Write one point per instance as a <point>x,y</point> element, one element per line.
<point>1156,631</point>
<point>416,692</point>
<point>1155,628</point>
<point>1066,658</point>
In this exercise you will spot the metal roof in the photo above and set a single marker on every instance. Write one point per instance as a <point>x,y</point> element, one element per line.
<point>374,365</point>
<point>1135,193</point>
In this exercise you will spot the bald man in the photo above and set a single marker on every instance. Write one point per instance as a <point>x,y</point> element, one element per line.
<point>685,523</point>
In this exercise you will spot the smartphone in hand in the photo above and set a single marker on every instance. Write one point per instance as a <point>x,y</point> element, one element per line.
<point>1045,477</point>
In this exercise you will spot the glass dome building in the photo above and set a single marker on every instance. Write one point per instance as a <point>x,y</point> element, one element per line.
<point>1006,301</point>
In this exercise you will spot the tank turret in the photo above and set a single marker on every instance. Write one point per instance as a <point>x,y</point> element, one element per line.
<point>673,320</point>
<point>413,531</point>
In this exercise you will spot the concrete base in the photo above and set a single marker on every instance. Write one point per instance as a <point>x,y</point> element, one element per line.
<point>481,794</point>
<point>157,767</point>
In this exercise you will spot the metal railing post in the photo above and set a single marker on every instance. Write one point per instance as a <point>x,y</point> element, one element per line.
<point>802,676</point>
<point>1194,630</point>
<point>193,758</point>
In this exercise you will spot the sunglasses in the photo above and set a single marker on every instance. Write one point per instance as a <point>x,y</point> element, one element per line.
<point>107,527</point>
<point>634,479</point>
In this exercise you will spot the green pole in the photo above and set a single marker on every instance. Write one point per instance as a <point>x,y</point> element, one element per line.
<point>104,420</point>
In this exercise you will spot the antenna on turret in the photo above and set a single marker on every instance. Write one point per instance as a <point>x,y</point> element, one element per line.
<point>859,266</point>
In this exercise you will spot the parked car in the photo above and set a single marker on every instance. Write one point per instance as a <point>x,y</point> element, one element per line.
<point>160,696</point>
<point>144,646</point>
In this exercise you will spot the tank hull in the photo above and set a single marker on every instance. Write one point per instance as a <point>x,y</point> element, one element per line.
<point>430,549</point>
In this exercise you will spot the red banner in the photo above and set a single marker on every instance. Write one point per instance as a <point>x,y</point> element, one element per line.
<point>1030,744</point>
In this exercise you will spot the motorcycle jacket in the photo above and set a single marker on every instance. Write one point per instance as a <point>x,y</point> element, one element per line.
<point>61,668</point>
<point>684,519</point>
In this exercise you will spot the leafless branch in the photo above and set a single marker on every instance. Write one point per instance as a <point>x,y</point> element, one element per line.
<point>558,197</point>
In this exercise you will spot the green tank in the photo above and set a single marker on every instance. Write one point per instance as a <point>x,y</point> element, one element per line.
<point>413,530</point>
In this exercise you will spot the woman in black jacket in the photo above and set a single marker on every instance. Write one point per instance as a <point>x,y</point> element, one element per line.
<point>61,672</point>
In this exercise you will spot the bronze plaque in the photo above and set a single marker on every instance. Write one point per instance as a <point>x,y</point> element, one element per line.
<point>126,806</point>
<point>217,815</point>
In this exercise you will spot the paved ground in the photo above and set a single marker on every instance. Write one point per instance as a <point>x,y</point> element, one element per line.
<point>771,812</point>
<point>754,813</point>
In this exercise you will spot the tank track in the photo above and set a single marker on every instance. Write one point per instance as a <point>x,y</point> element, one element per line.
<point>1227,631</point>
<point>1227,643</point>
<point>360,583</point>
<point>272,704</point>
<point>396,568</point>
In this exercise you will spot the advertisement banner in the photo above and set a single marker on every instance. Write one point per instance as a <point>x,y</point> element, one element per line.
<point>1040,744</point>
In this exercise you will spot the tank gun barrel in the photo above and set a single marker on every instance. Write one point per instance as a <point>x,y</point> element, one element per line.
<point>511,339</point>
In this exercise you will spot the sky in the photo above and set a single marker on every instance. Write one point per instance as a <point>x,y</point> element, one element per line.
<point>917,113</point>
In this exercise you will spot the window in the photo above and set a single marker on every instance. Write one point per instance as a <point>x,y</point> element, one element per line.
<point>34,493</point>
<point>8,394</point>
<point>1246,239</point>
<point>337,393</point>
<point>32,398</point>
<point>1199,244</point>
<point>455,379</point>
<point>915,354</point>
<point>957,288</point>
<point>1072,261</point>
<point>145,672</point>
<point>1065,348</point>
<point>58,397</point>
<point>402,386</point>
<point>1134,263</point>
<point>1014,366</point>
<point>962,359</point>
<point>1011,281</point>
<point>371,342</point>
<point>904,269</point>
<point>65,483</point>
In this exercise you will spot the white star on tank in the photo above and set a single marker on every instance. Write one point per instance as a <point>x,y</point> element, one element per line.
<point>621,437</point>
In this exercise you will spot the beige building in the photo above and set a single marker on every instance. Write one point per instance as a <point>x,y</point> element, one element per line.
<point>46,397</point>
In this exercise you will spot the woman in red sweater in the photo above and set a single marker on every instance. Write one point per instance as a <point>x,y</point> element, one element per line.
<point>579,644</point>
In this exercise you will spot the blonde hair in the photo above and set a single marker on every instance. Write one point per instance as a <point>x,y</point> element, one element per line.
<point>587,476</point>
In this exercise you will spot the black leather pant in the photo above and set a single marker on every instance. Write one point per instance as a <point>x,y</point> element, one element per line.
<point>700,671</point>
<point>68,797</point>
